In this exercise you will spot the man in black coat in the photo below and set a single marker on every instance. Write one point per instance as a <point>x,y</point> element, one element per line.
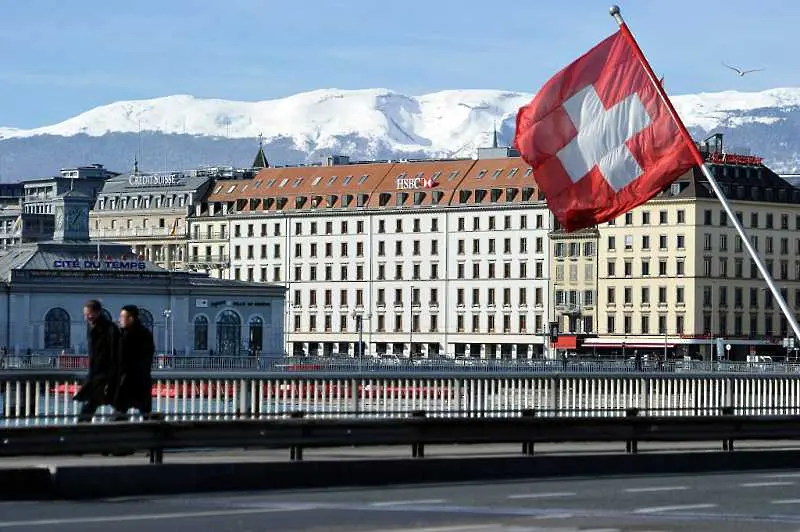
<point>98,388</point>
<point>136,350</point>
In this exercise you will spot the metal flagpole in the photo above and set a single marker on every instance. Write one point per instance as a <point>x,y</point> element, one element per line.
<point>787,312</point>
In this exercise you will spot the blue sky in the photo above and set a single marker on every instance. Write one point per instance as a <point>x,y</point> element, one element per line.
<point>59,58</point>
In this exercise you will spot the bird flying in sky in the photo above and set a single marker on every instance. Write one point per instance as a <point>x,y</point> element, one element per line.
<point>742,72</point>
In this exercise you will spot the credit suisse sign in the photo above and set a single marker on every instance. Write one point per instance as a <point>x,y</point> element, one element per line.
<point>155,180</point>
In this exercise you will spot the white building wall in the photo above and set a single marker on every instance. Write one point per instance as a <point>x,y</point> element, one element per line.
<point>369,229</point>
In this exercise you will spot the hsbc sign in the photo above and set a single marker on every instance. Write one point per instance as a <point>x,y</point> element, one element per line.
<point>412,183</point>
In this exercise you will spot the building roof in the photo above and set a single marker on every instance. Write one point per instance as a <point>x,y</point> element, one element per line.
<point>133,184</point>
<point>406,184</point>
<point>77,261</point>
<point>261,158</point>
<point>738,182</point>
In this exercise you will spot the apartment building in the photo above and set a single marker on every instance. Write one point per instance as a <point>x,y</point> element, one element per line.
<point>416,258</point>
<point>674,275</point>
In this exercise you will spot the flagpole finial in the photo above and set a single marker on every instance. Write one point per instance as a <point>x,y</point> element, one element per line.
<point>615,12</point>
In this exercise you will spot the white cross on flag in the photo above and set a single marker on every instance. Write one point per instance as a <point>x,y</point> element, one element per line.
<point>599,137</point>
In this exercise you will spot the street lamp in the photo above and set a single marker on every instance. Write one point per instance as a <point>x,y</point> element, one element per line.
<point>167,316</point>
<point>411,326</point>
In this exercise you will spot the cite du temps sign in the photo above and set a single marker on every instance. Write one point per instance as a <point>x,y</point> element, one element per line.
<point>94,264</point>
<point>413,183</point>
<point>155,180</point>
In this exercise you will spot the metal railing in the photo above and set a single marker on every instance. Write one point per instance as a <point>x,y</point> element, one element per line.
<point>277,363</point>
<point>298,433</point>
<point>39,397</point>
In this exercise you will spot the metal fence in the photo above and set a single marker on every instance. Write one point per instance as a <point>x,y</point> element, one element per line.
<point>29,397</point>
<point>349,366</point>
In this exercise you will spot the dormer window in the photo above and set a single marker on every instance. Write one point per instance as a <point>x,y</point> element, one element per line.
<point>384,198</point>
<point>527,193</point>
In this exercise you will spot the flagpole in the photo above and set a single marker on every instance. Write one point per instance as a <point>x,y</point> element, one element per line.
<point>614,11</point>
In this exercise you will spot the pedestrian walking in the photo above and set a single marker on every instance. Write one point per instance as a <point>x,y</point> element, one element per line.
<point>136,351</point>
<point>98,387</point>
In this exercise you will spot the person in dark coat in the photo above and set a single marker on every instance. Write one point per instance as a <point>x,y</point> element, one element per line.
<point>98,388</point>
<point>136,350</point>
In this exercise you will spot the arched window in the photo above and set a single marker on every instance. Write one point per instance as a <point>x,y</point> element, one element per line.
<point>229,333</point>
<point>56,329</point>
<point>146,318</point>
<point>256,335</point>
<point>200,333</point>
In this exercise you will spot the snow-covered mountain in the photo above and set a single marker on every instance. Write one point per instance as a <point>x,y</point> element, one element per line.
<point>182,131</point>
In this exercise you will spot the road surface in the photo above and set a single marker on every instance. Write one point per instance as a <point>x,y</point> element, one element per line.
<point>756,501</point>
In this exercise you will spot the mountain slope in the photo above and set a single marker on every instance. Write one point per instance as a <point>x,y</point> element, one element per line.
<point>182,130</point>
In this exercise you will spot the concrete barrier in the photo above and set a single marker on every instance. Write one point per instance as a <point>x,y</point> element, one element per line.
<point>25,483</point>
<point>82,482</point>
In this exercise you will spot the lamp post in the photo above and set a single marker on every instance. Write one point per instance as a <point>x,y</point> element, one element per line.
<point>411,326</point>
<point>167,316</point>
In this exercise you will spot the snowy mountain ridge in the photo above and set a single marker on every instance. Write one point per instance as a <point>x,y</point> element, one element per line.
<point>374,123</point>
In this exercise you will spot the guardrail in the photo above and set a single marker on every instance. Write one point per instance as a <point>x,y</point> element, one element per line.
<point>419,430</point>
<point>349,366</point>
<point>45,397</point>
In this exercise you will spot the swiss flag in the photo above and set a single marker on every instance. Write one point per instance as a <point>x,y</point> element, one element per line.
<point>599,138</point>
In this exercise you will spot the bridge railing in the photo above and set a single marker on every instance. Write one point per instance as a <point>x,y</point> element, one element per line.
<point>42,397</point>
<point>345,365</point>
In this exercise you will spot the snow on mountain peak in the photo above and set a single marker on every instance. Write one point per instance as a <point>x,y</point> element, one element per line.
<point>445,123</point>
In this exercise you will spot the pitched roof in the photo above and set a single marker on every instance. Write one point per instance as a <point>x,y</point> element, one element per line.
<point>261,158</point>
<point>405,184</point>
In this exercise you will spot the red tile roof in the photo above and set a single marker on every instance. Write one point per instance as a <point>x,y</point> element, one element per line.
<point>391,185</point>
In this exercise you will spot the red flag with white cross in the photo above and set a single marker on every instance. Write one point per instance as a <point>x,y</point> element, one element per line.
<point>600,137</point>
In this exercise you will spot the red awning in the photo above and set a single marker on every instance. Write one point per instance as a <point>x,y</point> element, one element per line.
<point>566,342</point>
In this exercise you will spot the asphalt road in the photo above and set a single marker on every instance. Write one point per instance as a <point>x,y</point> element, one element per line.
<point>758,502</point>
<point>389,452</point>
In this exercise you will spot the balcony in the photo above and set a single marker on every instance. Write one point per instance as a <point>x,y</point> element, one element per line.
<point>125,234</point>
<point>209,260</point>
<point>210,237</point>
<point>569,308</point>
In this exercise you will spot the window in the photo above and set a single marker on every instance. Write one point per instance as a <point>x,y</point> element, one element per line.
<point>256,336</point>
<point>229,334</point>
<point>57,329</point>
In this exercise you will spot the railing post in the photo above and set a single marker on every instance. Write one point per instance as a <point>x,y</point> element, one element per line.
<point>555,390</point>
<point>727,443</point>
<point>632,445</point>
<point>296,451</point>
<point>418,448</point>
<point>355,392</point>
<point>527,446</point>
<point>243,408</point>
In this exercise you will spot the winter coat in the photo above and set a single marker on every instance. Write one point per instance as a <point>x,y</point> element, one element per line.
<point>134,387</point>
<point>98,387</point>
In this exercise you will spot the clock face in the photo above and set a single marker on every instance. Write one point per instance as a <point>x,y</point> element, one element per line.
<point>75,220</point>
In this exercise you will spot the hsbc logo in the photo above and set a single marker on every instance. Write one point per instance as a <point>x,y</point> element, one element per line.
<point>412,183</point>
